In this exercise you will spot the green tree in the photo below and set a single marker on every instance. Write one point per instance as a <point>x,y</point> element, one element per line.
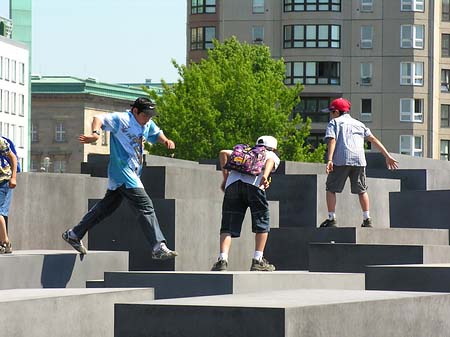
<point>234,96</point>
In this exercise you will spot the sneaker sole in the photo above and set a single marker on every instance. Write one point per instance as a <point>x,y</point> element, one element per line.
<point>81,250</point>
<point>165,257</point>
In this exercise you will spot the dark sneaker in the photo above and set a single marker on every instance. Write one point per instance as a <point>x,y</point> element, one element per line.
<point>6,248</point>
<point>262,265</point>
<point>328,223</point>
<point>164,253</point>
<point>220,265</point>
<point>367,223</point>
<point>75,243</point>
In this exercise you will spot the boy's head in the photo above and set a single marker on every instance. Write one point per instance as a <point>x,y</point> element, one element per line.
<point>339,104</point>
<point>144,105</point>
<point>268,141</point>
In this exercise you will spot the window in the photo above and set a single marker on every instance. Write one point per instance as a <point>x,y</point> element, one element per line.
<point>6,69</point>
<point>7,106</point>
<point>312,36</point>
<point>313,73</point>
<point>258,34</point>
<point>412,36</point>
<point>1,101</point>
<point>6,130</point>
<point>412,6</point>
<point>445,10</point>
<point>34,133</point>
<point>411,73</point>
<point>13,71</point>
<point>366,6</point>
<point>311,107</point>
<point>366,74</point>
<point>445,80</point>
<point>411,145</point>
<point>1,128</point>
<point>34,165</point>
<point>21,73</point>
<point>60,133</point>
<point>445,110</point>
<point>21,137</point>
<point>21,105</point>
<point>411,110</point>
<point>445,147</point>
<point>203,6</point>
<point>258,6</point>
<point>201,38</point>
<point>59,166</point>
<point>1,67</point>
<point>366,36</point>
<point>445,45</point>
<point>366,109</point>
<point>13,103</point>
<point>312,5</point>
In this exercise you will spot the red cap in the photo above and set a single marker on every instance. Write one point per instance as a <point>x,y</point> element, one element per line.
<point>340,104</point>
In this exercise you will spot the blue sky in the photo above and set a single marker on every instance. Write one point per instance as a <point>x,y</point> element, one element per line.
<point>111,40</point>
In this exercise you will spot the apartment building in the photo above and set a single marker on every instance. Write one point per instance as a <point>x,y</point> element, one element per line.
<point>391,58</point>
<point>14,91</point>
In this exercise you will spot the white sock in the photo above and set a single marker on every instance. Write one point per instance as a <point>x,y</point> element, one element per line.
<point>258,255</point>
<point>223,256</point>
<point>366,215</point>
<point>331,215</point>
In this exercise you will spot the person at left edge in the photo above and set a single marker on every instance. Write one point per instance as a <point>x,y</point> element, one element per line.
<point>128,132</point>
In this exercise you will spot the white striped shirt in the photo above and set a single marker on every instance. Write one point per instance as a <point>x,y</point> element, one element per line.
<point>349,134</point>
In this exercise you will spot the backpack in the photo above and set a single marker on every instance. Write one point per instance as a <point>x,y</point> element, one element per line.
<point>246,159</point>
<point>5,161</point>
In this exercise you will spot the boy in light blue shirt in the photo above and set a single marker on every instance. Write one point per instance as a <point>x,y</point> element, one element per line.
<point>128,131</point>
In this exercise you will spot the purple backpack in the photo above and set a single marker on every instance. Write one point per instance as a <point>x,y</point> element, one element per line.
<point>247,159</point>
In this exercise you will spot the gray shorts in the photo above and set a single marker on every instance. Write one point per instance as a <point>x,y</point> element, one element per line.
<point>336,179</point>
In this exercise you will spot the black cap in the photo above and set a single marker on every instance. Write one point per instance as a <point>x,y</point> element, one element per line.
<point>143,104</point>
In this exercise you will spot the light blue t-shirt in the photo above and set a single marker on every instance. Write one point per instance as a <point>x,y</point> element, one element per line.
<point>127,147</point>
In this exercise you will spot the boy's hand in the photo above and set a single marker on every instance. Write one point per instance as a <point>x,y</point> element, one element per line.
<point>329,167</point>
<point>265,182</point>
<point>12,183</point>
<point>391,163</point>
<point>88,139</point>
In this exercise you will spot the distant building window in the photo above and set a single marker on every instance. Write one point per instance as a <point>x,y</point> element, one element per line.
<point>445,113</point>
<point>258,34</point>
<point>312,5</point>
<point>412,6</point>
<point>1,67</point>
<point>366,74</point>
<point>60,133</point>
<point>21,137</point>
<point>13,103</point>
<point>366,37</point>
<point>5,130</point>
<point>445,10</point>
<point>445,149</point>
<point>21,105</point>
<point>7,70</point>
<point>202,37</point>
<point>327,73</point>
<point>312,36</point>
<point>366,109</point>
<point>258,6</point>
<point>412,36</point>
<point>411,73</point>
<point>203,6</point>
<point>310,107</point>
<point>411,145</point>
<point>445,45</point>
<point>21,73</point>
<point>1,101</point>
<point>7,106</point>
<point>445,80</point>
<point>34,133</point>
<point>366,6</point>
<point>13,71</point>
<point>411,110</point>
<point>59,166</point>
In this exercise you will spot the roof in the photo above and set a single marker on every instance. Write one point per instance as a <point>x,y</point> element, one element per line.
<point>74,85</point>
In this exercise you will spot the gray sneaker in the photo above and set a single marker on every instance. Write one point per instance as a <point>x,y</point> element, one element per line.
<point>5,248</point>
<point>328,223</point>
<point>75,243</point>
<point>262,265</point>
<point>367,223</point>
<point>220,265</point>
<point>164,253</point>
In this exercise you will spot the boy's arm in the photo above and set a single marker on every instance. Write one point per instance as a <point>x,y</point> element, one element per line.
<point>331,148</point>
<point>170,144</point>
<point>13,162</point>
<point>224,155</point>
<point>391,163</point>
<point>92,138</point>
<point>270,163</point>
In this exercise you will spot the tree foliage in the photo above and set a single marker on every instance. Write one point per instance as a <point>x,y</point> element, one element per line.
<point>234,96</point>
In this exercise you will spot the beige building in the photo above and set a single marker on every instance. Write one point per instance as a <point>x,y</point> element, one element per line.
<point>391,58</point>
<point>63,108</point>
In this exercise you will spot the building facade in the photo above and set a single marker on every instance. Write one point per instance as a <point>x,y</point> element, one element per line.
<point>14,95</point>
<point>63,108</point>
<point>390,58</point>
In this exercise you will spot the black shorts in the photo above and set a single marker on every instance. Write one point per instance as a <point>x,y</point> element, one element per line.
<point>336,179</point>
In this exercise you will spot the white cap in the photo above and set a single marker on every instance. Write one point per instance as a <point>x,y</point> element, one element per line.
<point>267,141</point>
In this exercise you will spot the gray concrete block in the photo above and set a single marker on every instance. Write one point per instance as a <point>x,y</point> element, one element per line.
<point>354,258</point>
<point>57,269</point>
<point>411,277</point>
<point>189,284</point>
<point>293,313</point>
<point>63,312</point>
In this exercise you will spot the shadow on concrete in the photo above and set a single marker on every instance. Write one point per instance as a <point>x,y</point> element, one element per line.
<point>57,270</point>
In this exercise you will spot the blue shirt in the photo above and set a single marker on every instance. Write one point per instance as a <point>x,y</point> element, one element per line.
<point>127,147</point>
<point>349,134</point>
<point>6,146</point>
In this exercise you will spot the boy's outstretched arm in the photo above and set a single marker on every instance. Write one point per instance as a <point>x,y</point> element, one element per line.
<point>224,155</point>
<point>391,162</point>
